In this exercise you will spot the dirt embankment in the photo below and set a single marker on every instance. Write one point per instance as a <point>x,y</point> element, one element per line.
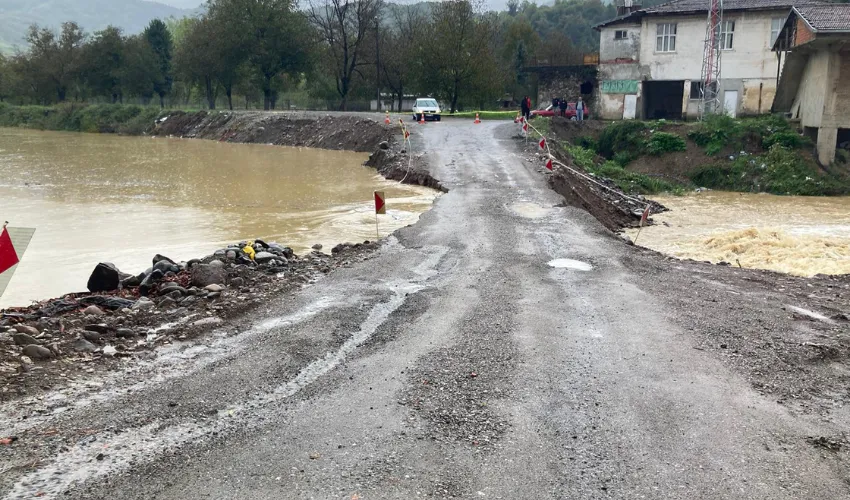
<point>338,132</point>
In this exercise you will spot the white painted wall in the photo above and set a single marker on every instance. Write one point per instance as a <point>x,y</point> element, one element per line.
<point>750,57</point>
<point>810,96</point>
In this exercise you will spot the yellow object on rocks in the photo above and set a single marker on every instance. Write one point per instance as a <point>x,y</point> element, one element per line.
<point>249,250</point>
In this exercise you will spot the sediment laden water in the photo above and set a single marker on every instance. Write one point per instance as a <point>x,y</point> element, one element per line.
<point>99,198</point>
<point>803,236</point>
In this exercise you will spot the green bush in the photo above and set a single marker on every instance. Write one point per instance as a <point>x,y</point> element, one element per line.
<point>623,158</point>
<point>624,138</point>
<point>633,182</point>
<point>663,142</point>
<point>786,138</point>
<point>103,118</point>
<point>779,171</point>
<point>582,157</point>
<point>588,143</point>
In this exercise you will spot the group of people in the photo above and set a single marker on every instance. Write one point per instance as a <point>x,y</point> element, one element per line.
<point>559,106</point>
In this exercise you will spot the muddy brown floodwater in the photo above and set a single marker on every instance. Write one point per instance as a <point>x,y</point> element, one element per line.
<point>96,198</point>
<point>803,236</point>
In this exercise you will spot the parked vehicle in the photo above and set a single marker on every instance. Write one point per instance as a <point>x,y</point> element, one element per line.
<point>427,106</point>
<point>569,113</point>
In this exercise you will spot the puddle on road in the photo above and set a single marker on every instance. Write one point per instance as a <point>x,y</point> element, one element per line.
<point>570,264</point>
<point>530,210</point>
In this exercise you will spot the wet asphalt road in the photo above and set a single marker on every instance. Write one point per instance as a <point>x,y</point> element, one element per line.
<point>456,363</point>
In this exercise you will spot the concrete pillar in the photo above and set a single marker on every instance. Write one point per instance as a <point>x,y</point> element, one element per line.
<point>827,142</point>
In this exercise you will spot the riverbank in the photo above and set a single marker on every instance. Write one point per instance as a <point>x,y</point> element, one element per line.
<point>764,154</point>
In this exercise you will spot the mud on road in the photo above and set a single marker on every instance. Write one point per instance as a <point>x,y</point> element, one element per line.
<point>456,363</point>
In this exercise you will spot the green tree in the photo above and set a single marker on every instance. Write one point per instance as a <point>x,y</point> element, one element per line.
<point>457,54</point>
<point>275,33</point>
<point>159,39</point>
<point>346,29</point>
<point>195,61</point>
<point>104,58</point>
<point>55,61</point>
<point>140,71</point>
<point>399,50</point>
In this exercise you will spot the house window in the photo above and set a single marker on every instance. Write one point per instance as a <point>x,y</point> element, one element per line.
<point>665,40</point>
<point>696,90</point>
<point>621,35</point>
<point>726,34</point>
<point>775,28</point>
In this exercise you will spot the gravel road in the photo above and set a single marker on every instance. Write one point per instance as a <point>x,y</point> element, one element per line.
<point>456,363</point>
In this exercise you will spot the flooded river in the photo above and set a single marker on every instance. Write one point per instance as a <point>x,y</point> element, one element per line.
<point>797,235</point>
<point>99,198</point>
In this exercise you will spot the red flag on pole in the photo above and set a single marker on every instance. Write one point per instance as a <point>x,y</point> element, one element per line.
<point>645,217</point>
<point>549,164</point>
<point>380,204</point>
<point>8,255</point>
<point>542,144</point>
<point>525,127</point>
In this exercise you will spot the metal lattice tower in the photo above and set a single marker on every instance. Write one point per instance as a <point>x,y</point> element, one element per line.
<point>710,90</point>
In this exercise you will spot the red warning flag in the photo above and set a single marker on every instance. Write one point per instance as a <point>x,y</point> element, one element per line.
<point>8,255</point>
<point>542,144</point>
<point>380,203</point>
<point>525,127</point>
<point>645,217</point>
<point>406,134</point>
<point>549,164</point>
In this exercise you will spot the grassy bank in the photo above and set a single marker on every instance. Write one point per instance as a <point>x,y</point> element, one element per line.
<point>98,118</point>
<point>764,154</point>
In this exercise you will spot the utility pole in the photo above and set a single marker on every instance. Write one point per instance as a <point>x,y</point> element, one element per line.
<point>710,91</point>
<point>377,64</point>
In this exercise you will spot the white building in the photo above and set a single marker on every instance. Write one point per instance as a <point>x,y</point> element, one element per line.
<point>650,60</point>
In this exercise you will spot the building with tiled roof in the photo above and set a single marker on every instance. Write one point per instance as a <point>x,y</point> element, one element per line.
<point>814,87</point>
<point>651,58</point>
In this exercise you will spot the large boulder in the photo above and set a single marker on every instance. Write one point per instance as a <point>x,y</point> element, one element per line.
<point>104,278</point>
<point>205,274</point>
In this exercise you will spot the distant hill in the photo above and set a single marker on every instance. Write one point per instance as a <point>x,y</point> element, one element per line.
<point>131,15</point>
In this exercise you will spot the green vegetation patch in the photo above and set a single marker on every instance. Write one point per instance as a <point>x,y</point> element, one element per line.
<point>624,140</point>
<point>101,118</point>
<point>664,142</point>
<point>718,132</point>
<point>780,171</point>
<point>629,182</point>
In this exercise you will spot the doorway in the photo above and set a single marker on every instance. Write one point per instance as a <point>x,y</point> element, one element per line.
<point>730,103</point>
<point>663,99</point>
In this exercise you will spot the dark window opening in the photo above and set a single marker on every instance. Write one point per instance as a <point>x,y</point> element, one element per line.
<point>587,88</point>
<point>843,141</point>
<point>696,90</point>
<point>621,35</point>
<point>663,99</point>
<point>811,133</point>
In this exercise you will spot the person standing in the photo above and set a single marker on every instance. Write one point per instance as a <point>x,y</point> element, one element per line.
<point>580,110</point>
<point>524,107</point>
<point>562,107</point>
<point>527,108</point>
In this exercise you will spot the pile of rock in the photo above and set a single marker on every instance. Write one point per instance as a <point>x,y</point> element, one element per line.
<point>125,315</point>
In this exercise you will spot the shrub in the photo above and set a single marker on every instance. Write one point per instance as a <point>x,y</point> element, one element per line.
<point>104,118</point>
<point>786,138</point>
<point>625,138</point>
<point>663,142</point>
<point>623,158</point>
<point>633,182</point>
<point>582,157</point>
<point>588,143</point>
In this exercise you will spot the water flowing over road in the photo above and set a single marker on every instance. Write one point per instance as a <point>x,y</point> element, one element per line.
<point>503,347</point>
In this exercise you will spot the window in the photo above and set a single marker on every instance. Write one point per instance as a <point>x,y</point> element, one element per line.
<point>727,32</point>
<point>696,90</point>
<point>665,39</point>
<point>621,35</point>
<point>776,25</point>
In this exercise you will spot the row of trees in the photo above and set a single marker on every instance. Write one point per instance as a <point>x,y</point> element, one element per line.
<point>333,50</point>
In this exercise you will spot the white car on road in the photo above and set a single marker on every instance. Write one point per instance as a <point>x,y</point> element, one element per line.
<point>428,107</point>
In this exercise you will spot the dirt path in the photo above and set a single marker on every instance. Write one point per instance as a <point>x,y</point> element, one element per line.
<point>455,364</point>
